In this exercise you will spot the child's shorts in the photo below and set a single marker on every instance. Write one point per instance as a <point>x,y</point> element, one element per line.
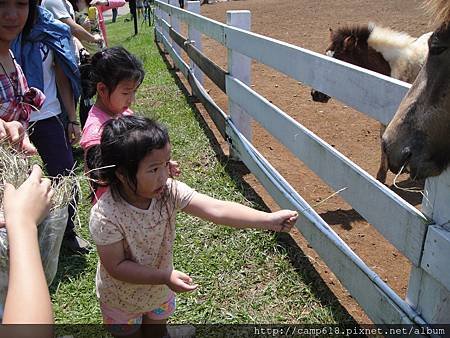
<point>124,323</point>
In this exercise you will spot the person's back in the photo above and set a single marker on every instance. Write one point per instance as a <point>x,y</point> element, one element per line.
<point>60,9</point>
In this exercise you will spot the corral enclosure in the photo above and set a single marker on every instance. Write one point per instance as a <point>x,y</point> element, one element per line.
<point>305,24</point>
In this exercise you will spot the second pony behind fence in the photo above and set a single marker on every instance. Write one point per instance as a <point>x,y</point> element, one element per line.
<point>379,49</point>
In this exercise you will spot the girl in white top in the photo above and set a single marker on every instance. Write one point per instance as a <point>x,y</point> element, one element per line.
<point>133,225</point>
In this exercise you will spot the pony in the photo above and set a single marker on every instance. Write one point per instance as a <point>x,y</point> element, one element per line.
<point>418,135</point>
<point>379,49</point>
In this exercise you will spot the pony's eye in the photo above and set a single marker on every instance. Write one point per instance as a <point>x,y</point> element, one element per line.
<point>436,50</point>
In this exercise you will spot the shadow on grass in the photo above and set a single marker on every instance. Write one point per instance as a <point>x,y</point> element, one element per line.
<point>69,266</point>
<point>237,170</point>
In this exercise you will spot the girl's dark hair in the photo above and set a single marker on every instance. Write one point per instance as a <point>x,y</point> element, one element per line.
<point>32,14</point>
<point>124,143</point>
<point>111,66</point>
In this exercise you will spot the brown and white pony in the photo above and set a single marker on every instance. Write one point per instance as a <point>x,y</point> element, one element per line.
<point>419,134</point>
<point>379,49</point>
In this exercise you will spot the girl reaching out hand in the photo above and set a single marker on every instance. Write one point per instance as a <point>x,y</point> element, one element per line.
<point>133,224</point>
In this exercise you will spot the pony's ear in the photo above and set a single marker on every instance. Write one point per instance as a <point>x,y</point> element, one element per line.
<point>350,42</point>
<point>331,33</point>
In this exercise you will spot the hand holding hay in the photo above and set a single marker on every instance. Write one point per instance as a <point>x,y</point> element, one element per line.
<point>32,199</point>
<point>34,196</point>
<point>15,167</point>
<point>25,208</point>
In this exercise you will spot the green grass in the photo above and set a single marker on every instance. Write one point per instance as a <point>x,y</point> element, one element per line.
<point>245,276</point>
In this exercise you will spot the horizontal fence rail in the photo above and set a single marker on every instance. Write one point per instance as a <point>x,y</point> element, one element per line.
<point>381,303</point>
<point>214,111</point>
<point>376,95</point>
<point>215,73</point>
<point>399,222</point>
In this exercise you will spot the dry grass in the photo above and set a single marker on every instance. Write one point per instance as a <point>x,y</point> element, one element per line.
<point>16,166</point>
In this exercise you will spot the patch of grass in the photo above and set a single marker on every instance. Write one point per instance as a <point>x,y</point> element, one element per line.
<point>245,276</point>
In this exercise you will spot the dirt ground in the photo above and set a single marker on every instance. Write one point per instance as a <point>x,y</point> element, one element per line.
<point>306,23</point>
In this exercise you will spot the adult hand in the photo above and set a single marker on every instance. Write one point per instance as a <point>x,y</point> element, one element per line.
<point>283,220</point>
<point>86,24</point>
<point>30,203</point>
<point>74,132</point>
<point>15,133</point>
<point>180,282</point>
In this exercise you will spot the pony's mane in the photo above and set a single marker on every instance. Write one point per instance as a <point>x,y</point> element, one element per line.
<point>388,38</point>
<point>374,35</point>
<point>439,10</point>
<point>362,32</point>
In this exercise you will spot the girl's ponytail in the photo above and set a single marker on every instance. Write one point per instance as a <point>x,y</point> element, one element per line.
<point>111,66</point>
<point>87,84</point>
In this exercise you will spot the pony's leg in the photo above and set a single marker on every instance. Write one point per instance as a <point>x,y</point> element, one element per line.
<point>382,171</point>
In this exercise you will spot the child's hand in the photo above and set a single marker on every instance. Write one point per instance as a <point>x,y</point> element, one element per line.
<point>98,39</point>
<point>283,220</point>
<point>15,133</point>
<point>87,24</point>
<point>30,203</point>
<point>180,282</point>
<point>174,169</point>
<point>74,132</point>
<point>27,147</point>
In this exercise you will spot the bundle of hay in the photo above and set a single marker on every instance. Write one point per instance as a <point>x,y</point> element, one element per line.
<point>15,168</point>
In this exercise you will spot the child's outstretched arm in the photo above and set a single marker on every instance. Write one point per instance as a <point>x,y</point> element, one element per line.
<point>238,215</point>
<point>118,266</point>
<point>28,299</point>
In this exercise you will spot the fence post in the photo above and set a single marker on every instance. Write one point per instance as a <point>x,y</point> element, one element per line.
<point>239,66</point>
<point>428,289</point>
<point>165,17</point>
<point>157,24</point>
<point>194,35</point>
<point>175,23</point>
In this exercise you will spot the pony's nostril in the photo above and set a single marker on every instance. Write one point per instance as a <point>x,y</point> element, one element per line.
<point>406,154</point>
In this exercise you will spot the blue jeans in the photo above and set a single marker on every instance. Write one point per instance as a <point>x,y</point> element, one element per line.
<point>50,139</point>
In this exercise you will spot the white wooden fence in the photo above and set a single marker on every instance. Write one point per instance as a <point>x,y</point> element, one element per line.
<point>425,241</point>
